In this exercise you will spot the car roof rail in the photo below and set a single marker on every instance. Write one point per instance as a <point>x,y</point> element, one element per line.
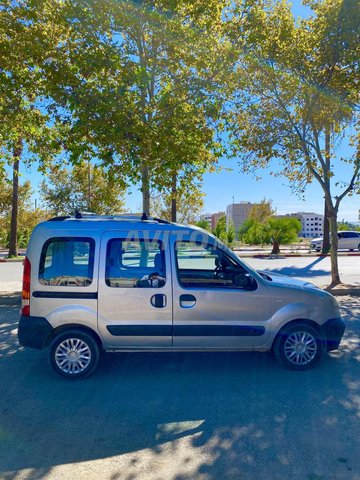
<point>78,215</point>
<point>59,219</point>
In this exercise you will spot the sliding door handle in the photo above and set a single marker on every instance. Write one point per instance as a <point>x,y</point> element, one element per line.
<point>158,300</point>
<point>187,301</point>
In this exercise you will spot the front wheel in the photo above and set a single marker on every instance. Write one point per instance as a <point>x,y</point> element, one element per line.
<point>298,347</point>
<point>74,354</point>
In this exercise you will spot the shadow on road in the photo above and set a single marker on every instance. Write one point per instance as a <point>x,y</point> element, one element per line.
<point>240,415</point>
<point>304,272</point>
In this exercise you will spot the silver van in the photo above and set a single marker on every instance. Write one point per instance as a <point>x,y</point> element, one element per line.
<point>94,283</point>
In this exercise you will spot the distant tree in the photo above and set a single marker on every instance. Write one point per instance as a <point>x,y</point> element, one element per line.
<point>83,187</point>
<point>262,212</point>
<point>224,231</point>
<point>202,223</point>
<point>231,232</point>
<point>27,217</point>
<point>254,232</point>
<point>181,202</point>
<point>348,226</point>
<point>275,231</point>
<point>282,230</point>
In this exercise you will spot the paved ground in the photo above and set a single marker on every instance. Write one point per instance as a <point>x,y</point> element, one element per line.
<point>181,416</point>
<point>313,269</point>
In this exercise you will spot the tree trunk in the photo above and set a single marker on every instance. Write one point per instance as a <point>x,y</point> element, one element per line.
<point>89,187</point>
<point>335,276</point>
<point>276,248</point>
<point>13,248</point>
<point>326,236</point>
<point>173,198</point>
<point>145,188</point>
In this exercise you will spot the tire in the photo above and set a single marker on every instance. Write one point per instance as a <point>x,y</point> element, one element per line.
<point>359,247</point>
<point>298,346</point>
<point>74,354</point>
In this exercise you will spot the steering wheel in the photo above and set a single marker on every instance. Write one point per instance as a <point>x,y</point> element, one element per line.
<point>219,269</point>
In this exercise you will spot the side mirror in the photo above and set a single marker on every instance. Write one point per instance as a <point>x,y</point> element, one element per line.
<point>249,282</point>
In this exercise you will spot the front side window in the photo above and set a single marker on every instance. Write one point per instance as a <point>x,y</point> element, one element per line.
<point>206,266</point>
<point>135,263</point>
<point>67,262</point>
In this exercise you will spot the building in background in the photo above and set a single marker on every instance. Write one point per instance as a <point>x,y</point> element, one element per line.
<point>237,213</point>
<point>206,216</point>
<point>312,224</point>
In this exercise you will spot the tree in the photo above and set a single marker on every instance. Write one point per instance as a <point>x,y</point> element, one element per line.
<point>254,232</point>
<point>189,203</point>
<point>295,84</point>
<point>348,226</point>
<point>85,187</point>
<point>224,231</point>
<point>25,126</point>
<point>261,212</point>
<point>202,223</point>
<point>282,230</point>
<point>137,84</point>
<point>274,230</point>
<point>27,217</point>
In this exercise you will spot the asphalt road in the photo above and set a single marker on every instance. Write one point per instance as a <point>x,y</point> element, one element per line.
<point>313,269</point>
<point>182,416</point>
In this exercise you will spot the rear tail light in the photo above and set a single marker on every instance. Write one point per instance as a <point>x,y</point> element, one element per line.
<point>25,295</point>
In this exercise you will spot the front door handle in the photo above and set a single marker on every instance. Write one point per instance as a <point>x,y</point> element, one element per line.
<point>187,301</point>
<point>158,300</point>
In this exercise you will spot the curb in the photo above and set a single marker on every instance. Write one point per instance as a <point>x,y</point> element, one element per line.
<point>11,260</point>
<point>290,255</point>
<point>13,298</point>
<point>339,292</point>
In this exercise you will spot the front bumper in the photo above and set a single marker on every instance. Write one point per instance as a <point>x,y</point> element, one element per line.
<point>333,332</point>
<point>34,332</point>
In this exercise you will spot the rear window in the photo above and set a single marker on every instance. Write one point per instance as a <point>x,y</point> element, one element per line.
<point>67,262</point>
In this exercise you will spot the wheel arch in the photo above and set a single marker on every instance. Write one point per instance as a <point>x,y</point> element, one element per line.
<point>300,321</point>
<point>73,326</point>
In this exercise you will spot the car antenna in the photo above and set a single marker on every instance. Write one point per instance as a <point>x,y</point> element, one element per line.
<point>144,216</point>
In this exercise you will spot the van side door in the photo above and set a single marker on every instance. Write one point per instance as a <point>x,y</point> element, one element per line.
<point>135,295</point>
<point>217,303</point>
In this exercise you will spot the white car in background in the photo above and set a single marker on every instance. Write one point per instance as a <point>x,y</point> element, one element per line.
<point>347,241</point>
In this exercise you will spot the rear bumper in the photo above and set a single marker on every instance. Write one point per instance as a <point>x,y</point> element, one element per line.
<point>34,332</point>
<point>333,331</point>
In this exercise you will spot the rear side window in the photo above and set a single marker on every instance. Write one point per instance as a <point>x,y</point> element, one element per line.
<point>135,263</point>
<point>67,262</point>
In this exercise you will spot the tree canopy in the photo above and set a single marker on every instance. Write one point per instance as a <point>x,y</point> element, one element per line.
<point>84,187</point>
<point>296,96</point>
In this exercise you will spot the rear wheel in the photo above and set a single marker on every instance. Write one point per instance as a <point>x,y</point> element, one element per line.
<point>74,354</point>
<point>298,347</point>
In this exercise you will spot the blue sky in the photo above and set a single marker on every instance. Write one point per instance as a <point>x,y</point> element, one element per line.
<point>220,188</point>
